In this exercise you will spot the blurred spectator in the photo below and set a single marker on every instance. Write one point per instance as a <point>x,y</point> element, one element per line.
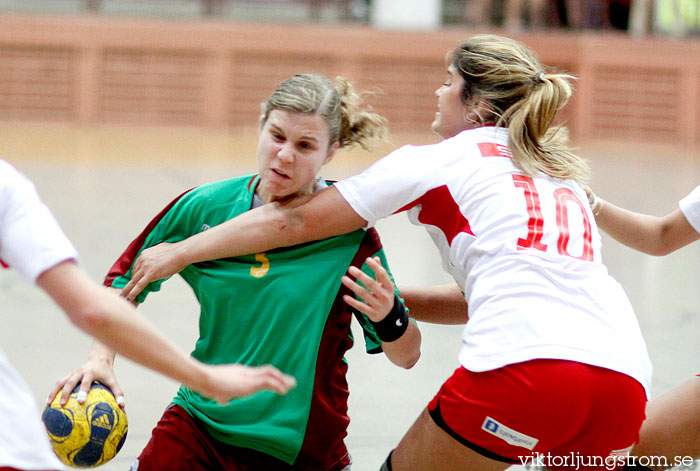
<point>574,14</point>
<point>641,17</point>
<point>360,10</point>
<point>619,14</point>
<point>92,5</point>
<point>588,14</point>
<point>598,14</point>
<point>595,14</point>
<point>212,7</point>
<point>677,17</point>
<point>517,14</point>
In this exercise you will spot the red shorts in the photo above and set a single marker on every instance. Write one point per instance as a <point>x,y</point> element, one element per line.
<point>180,443</point>
<point>553,413</point>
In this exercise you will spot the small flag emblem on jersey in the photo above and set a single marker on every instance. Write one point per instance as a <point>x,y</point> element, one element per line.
<point>491,149</point>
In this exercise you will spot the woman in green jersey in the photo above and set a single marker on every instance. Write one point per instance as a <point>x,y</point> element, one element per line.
<point>285,307</point>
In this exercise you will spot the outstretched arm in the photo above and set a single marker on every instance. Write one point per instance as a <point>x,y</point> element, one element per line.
<point>443,304</point>
<point>649,234</point>
<point>119,327</point>
<point>314,217</point>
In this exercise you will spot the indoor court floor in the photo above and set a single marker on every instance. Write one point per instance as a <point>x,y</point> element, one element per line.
<point>105,184</point>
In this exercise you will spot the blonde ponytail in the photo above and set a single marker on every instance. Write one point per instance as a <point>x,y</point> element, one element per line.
<point>359,124</point>
<point>504,77</point>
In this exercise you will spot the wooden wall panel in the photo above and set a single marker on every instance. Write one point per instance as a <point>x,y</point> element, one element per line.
<point>404,89</point>
<point>37,83</point>
<point>216,73</point>
<point>255,75</point>
<point>165,87</point>
<point>632,102</point>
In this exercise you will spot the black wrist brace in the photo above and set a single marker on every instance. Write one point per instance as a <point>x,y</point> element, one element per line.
<point>394,324</point>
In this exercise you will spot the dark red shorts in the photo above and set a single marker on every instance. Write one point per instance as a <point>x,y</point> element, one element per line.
<point>553,413</point>
<point>179,443</point>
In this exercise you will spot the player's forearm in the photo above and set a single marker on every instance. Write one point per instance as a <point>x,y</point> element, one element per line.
<point>136,338</point>
<point>649,234</point>
<point>312,217</point>
<point>117,326</point>
<point>255,231</point>
<point>405,351</point>
<point>442,304</point>
<point>101,352</point>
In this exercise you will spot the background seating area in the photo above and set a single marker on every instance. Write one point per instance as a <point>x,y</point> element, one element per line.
<point>200,71</point>
<point>665,17</point>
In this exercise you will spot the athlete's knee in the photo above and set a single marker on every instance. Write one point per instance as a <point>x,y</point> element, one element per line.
<point>387,464</point>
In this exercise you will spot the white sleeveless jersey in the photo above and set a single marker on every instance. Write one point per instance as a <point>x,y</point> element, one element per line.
<point>30,242</point>
<point>525,251</point>
<point>690,207</point>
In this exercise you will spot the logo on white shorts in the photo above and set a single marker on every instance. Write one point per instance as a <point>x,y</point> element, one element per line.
<point>508,434</point>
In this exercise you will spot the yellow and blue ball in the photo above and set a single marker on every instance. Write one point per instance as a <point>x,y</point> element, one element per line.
<point>89,434</point>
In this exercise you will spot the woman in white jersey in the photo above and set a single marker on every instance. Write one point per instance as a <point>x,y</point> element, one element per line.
<point>671,430</point>
<point>32,243</point>
<point>553,364</point>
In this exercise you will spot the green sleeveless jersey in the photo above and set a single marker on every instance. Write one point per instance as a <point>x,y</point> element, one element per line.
<point>268,308</point>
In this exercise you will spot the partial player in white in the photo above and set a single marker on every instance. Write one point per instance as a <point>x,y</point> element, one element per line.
<point>671,429</point>
<point>32,243</point>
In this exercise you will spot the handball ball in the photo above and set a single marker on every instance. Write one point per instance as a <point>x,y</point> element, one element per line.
<point>89,434</point>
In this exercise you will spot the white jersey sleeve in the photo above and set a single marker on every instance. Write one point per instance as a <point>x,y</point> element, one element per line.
<point>396,181</point>
<point>31,240</point>
<point>690,206</point>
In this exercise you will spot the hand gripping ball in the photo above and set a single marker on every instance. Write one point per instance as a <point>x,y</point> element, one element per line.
<point>86,435</point>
